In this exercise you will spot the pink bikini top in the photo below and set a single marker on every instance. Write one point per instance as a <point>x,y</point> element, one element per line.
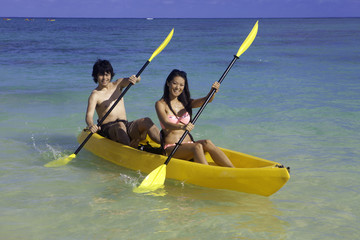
<point>185,119</point>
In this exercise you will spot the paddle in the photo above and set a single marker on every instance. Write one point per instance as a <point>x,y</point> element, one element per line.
<point>65,160</point>
<point>156,178</point>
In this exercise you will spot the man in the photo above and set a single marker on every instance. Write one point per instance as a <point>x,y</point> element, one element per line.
<point>115,126</point>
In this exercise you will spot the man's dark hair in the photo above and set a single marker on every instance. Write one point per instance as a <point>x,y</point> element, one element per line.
<point>100,68</point>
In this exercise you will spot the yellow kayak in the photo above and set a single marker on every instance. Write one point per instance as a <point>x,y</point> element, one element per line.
<point>250,175</point>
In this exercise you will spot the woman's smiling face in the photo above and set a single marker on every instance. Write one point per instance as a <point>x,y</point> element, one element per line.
<point>176,86</point>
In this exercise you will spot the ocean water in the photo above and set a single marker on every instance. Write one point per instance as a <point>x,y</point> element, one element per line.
<point>292,97</point>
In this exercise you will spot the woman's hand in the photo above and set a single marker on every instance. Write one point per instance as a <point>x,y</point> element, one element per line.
<point>216,86</point>
<point>188,127</point>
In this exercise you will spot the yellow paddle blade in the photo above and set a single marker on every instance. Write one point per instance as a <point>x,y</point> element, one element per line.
<point>61,161</point>
<point>249,40</point>
<point>162,46</point>
<point>153,181</point>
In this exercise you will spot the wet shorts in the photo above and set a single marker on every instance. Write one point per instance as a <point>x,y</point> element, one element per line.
<point>105,128</point>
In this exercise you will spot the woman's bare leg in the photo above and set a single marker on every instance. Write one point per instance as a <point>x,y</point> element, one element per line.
<point>216,154</point>
<point>188,151</point>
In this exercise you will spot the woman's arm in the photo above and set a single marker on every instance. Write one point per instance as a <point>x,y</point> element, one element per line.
<point>196,103</point>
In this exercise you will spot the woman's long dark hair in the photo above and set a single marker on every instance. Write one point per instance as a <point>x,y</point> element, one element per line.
<point>184,97</point>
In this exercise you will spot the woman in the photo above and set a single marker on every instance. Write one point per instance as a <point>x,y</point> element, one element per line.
<point>174,110</point>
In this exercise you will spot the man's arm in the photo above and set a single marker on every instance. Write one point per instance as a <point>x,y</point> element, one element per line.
<point>89,119</point>
<point>124,82</point>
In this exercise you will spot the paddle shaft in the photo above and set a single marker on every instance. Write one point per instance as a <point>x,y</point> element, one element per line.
<point>200,110</point>
<point>112,107</point>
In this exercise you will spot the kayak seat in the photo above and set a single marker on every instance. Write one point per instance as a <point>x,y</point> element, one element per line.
<point>148,148</point>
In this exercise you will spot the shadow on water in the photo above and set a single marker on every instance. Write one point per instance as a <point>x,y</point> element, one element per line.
<point>182,204</point>
<point>234,214</point>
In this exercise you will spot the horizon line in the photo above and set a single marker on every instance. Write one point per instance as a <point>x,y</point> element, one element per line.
<point>153,18</point>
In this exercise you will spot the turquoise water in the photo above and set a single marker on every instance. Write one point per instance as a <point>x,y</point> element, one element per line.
<point>292,97</point>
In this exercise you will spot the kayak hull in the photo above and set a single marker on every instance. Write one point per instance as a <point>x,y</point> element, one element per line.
<point>250,175</point>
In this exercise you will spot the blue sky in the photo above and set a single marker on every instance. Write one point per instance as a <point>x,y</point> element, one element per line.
<point>180,8</point>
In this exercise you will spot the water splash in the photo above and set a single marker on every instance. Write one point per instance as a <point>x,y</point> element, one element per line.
<point>47,151</point>
<point>56,154</point>
<point>128,180</point>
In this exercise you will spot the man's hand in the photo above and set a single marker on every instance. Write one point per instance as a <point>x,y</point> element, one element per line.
<point>94,128</point>
<point>133,79</point>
